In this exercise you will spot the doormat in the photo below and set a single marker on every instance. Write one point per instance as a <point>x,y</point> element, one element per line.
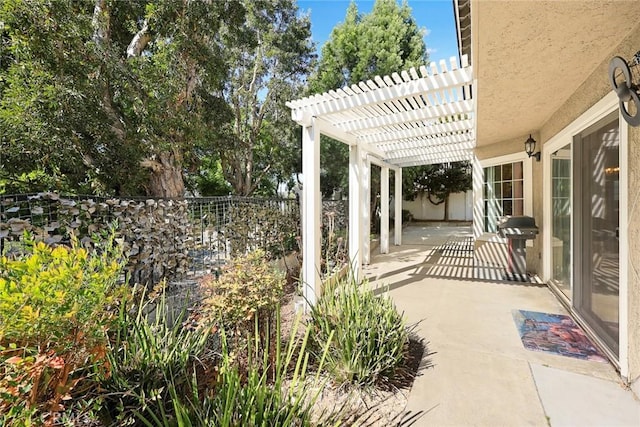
<point>555,333</point>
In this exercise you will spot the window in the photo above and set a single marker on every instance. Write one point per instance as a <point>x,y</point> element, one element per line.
<point>503,193</point>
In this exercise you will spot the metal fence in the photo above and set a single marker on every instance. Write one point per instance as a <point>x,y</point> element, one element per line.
<point>197,235</point>
<point>222,227</point>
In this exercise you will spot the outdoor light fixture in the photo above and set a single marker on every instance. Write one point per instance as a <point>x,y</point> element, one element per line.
<point>530,147</point>
<point>625,81</point>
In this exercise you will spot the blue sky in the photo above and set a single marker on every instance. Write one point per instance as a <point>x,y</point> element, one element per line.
<point>434,15</point>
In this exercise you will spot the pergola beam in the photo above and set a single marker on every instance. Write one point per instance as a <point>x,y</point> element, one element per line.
<point>424,113</point>
<point>383,136</point>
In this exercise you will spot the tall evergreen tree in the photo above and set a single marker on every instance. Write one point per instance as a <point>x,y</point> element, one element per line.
<point>379,43</point>
<point>259,146</point>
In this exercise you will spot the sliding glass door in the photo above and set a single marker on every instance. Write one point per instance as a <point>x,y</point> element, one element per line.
<point>596,269</point>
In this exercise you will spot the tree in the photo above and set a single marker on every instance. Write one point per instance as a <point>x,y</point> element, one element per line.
<point>113,97</point>
<point>436,182</point>
<point>259,146</point>
<point>379,43</point>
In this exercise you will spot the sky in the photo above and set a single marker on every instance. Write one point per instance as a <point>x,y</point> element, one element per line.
<point>434,15</point>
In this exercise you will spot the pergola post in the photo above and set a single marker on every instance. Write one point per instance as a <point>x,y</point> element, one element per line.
<point>397,198</point>
<point>311,213</point>
<point>355,218</point>
<point>384,210</point>
<point>366,211</point>
<point>477,174</point>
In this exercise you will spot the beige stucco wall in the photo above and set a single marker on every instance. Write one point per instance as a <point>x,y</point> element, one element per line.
<point>590,92</point>
<point>502,148</point>
<point>593,89</point>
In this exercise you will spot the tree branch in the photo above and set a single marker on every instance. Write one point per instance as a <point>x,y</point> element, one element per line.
<point>139,41</point>
<point>259,178</point>
<point>435,203</point>
<point>100,22</point>
<point>254,77</point>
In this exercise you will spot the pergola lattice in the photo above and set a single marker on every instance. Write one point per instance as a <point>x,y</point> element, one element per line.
<point>416,117</point>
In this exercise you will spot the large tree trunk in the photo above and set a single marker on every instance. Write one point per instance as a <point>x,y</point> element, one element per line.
<point>166,176</point>
<point>446,208</point>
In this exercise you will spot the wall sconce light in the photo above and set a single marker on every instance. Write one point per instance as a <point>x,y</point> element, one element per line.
<point>625,81</point>
<point>530,147</point>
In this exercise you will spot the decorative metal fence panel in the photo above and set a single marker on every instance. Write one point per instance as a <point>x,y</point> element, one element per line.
<point>162,238</point>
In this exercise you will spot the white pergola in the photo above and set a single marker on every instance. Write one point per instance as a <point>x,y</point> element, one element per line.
<point>416,117</point>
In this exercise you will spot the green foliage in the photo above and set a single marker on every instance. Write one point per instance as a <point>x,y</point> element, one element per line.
<point>263,398</point>
<point>113,99</point>
<point>265,225</point>
<point>385,41</point>
<point>260,144</point>
<point>249,287</point>
<point>382,42</point>
<point>367,336</point>
<point>150,358</point>
<point>211,181</point>
<point>274,390</point>
<point>55,306</point>
<point>437,182</point>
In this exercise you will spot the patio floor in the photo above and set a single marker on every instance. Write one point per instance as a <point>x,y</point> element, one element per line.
<point>477,371</point>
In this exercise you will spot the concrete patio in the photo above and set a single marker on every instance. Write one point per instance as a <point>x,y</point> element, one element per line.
<point>476,370</point>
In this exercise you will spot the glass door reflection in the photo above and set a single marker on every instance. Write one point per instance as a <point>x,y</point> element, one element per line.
<point>561,220</point>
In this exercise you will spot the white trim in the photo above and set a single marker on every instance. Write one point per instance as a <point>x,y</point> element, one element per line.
<point>623,313</point>
<point>598,111</point>
<point>478,182</point>
<point>414,117</point>
<point>397,211</point>
<point>355,217</point>
<point>365,185</point>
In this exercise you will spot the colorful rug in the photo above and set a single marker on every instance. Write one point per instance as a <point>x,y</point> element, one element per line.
<point>555,333</point>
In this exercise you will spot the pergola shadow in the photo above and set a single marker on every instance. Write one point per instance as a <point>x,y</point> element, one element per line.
<point>451,259</point>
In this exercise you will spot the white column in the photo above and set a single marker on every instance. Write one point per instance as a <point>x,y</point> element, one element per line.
<point>478,197</point>
<point>365,183</point>
<point>355,218</point>
<point>384,210</point>
<point>397,226</point>
<point>311,213</point>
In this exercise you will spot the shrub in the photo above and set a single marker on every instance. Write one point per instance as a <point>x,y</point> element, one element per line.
<point>249,287</point>
<point>369,339</point>
<point>55,306</point>
<point>149,359</point>
<point>270,393</point>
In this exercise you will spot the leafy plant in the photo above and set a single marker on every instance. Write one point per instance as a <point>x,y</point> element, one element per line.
<point>367,336</point>
<point>275,392</point>
<point>151,358</point>
<point>249,287</point>
<point>55,306</point>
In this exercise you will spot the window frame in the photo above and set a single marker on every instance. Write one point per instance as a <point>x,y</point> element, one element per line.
<point>478,186</point>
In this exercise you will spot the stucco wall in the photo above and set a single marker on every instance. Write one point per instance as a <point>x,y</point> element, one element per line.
<point>590,92</point>
<point>502,148</point>
<point>593,89</point>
